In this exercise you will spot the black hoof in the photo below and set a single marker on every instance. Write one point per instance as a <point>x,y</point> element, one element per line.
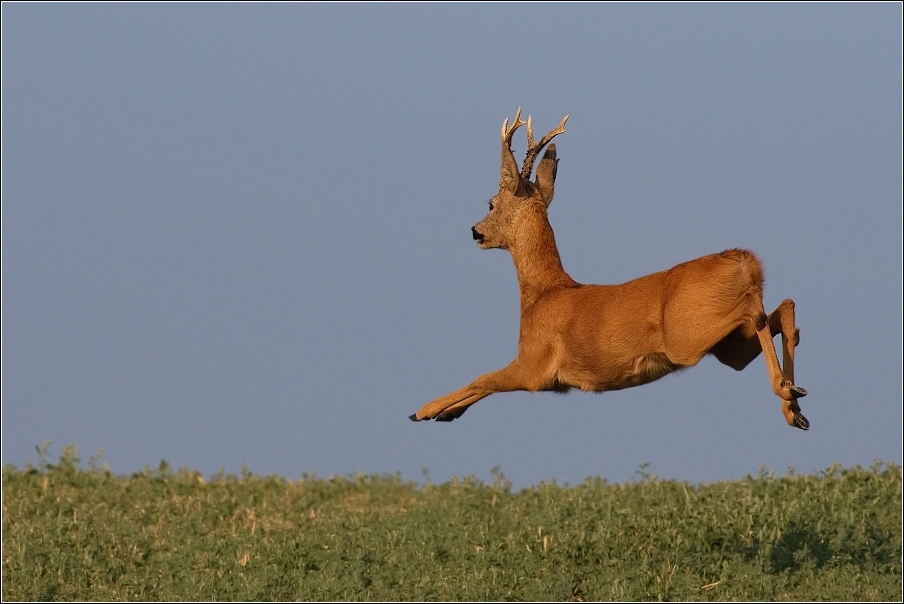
<point>798,392</point>
<point>444,418</point>
<point>801,422</point>
<point>413,417</point>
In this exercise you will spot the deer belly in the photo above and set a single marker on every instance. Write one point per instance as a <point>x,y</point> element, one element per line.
<point>643,369</point>
<point>650,367</point>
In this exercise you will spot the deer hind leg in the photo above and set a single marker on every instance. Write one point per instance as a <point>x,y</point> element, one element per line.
<point>453,405</point>
<point>783,380</point>
<point>746,342</point>
<point>790,340</point>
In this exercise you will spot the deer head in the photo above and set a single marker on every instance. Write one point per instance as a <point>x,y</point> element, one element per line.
<point>518,196</point>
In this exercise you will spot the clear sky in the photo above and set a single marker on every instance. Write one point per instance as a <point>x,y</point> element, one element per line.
<point>241,233</point>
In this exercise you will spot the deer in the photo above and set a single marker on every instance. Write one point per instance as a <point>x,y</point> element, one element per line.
<point>609,337</point>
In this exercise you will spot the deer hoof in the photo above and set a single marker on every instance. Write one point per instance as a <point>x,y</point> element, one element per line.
<point>413,417</point>
<point>798,392</point>
<point>800,421</point>
<point>444,418</point>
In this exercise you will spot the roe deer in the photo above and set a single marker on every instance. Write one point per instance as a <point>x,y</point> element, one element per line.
<point>608,337</point>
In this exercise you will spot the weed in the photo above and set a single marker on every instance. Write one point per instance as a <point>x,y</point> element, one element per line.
<point>85,534</point>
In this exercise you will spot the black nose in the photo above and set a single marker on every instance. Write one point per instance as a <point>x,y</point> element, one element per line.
<point>477,236</point>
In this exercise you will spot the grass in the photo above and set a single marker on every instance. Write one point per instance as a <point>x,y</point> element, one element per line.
<point>84,534</point>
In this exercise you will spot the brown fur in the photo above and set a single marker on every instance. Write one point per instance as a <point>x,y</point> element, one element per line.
<point>609,337</point>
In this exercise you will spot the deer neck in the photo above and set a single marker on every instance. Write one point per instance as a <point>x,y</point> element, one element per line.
<point>537,260</point>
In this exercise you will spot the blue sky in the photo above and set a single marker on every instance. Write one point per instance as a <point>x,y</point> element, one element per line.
<point>240,234</point>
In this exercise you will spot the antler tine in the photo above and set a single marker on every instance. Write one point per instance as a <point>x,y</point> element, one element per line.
<point>508,132</point>
<point>534,150</point>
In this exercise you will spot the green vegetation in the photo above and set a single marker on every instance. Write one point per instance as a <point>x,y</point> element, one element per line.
<point>85,534</point>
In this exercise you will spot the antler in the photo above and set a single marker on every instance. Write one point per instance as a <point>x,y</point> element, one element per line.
<point>510,178</point>
<point>508,132</point>
<point>534,150</point>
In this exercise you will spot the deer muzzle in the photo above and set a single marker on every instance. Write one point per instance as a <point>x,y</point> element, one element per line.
<point>478,236</point>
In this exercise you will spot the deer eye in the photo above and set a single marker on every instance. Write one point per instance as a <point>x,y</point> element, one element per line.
<point>491,206</point>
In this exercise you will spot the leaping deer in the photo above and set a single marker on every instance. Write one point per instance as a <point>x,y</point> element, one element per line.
<point>609,337</point>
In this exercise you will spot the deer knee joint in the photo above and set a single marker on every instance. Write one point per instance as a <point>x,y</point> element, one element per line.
<point>759,321</point>
<point>786,309</point>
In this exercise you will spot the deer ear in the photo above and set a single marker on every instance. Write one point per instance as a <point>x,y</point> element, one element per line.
<point>511,178</point>
<point>546,174</point>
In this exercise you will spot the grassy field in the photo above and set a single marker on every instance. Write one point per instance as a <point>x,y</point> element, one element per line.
<point>72,533</point>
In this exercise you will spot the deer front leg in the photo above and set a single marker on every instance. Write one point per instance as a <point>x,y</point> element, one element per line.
<point>453,405</point>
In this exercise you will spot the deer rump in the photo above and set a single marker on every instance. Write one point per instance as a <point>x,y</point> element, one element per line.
<point>609,337</point>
